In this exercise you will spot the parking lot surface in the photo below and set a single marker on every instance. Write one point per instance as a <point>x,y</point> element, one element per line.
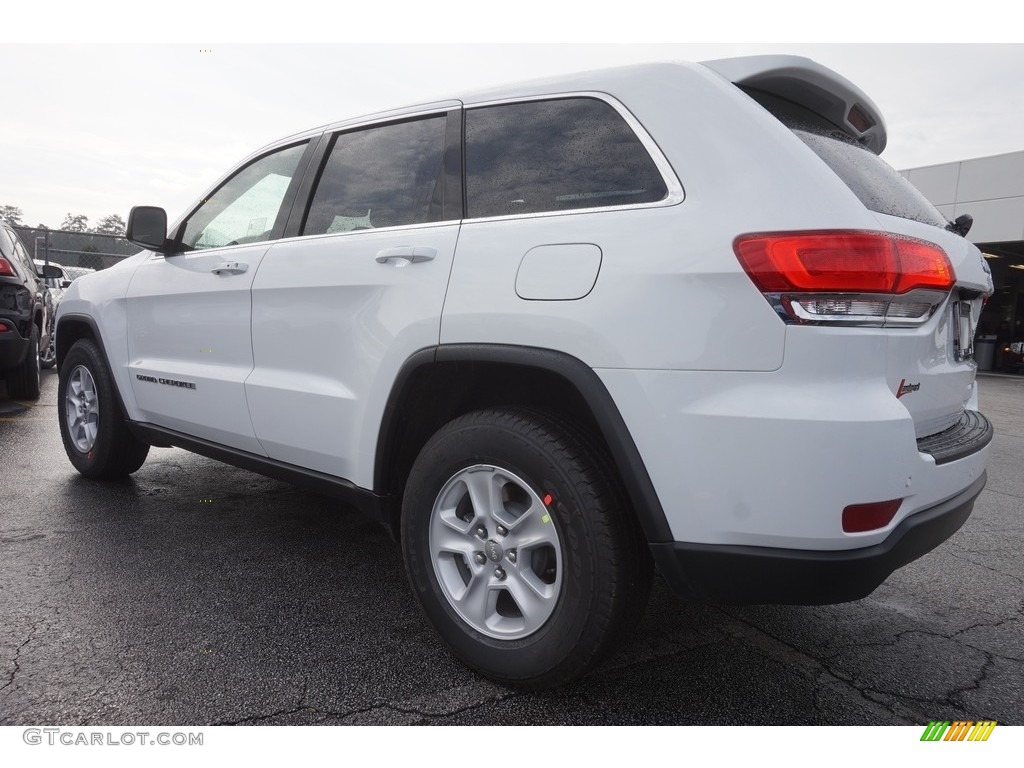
<point>196,593</point>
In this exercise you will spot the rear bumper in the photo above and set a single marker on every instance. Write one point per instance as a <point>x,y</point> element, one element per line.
<point>750,575</point>
<point>13,347</point>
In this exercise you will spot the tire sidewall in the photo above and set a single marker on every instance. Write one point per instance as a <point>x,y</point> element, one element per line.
<point>85,355</point>
<point>441,459</point>
<point>51,351</point>
<point>24,382</point>
<point>34,367</point>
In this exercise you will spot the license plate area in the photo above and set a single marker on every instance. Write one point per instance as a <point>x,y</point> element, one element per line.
<point>963,331</point>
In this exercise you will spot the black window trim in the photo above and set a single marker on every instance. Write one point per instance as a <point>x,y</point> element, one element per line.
<point>675,194</point>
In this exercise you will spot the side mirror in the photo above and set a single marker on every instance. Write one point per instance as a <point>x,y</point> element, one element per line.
<point>147,228</point>
<point>48,270</point>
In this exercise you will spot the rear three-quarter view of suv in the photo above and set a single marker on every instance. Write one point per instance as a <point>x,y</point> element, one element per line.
<point>555,334</point>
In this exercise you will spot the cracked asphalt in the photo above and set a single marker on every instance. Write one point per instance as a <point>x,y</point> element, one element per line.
<point>196,593</point>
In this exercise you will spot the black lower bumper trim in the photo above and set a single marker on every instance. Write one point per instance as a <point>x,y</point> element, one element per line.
<point>969,435</point>
<point>365,501</point>
<point>742,575</point>
<point>13,348</point>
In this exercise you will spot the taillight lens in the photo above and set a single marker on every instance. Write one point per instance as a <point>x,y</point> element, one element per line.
<point>5,268</point>
<point>858,518</point>
<point>847,276</point>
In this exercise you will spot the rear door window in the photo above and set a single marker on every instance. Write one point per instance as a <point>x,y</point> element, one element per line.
<point>555,155</point>
<point>383,176</point>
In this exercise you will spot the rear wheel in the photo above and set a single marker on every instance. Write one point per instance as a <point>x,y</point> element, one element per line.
<point>96,437</point>
<point>23,381</point>
<point>520,547</point>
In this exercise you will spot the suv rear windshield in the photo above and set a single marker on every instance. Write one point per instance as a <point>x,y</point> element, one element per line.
<point>869,177</point>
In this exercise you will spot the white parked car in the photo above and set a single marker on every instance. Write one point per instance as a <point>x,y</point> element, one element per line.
<point>557,332</point>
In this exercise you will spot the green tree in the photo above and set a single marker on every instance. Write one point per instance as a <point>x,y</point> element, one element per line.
<point>75,223</point>
<point>110,225</point>
<point>11,213</point>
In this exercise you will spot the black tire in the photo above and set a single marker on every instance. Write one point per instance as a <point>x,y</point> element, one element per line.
<point>115,452</point>
<point>23,381</point>
<point>605,569</point>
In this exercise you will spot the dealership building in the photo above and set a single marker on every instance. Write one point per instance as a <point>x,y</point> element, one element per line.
<point>991,189</point>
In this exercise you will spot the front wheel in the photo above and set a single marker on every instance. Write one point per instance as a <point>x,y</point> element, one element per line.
<point>520,547</point>
<point>96,437</point>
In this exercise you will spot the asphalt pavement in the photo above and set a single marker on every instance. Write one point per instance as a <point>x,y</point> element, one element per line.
<point>196,593</point>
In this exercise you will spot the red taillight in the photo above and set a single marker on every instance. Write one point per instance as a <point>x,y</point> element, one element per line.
<point>5,267</point>
<point>858,518</point>
<point>842,262</point>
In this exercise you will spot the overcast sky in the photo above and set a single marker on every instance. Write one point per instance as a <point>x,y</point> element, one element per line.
<point>97,129</point>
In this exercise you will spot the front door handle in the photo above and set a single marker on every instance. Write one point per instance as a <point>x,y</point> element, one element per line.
<point>404,255</point>
<point>230,268</point>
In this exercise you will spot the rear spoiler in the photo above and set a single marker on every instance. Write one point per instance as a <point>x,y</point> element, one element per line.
<point>813,86</point>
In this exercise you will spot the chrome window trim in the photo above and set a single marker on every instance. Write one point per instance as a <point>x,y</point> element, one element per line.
<point>271,243</point>
<point>395,228</point>
<point>675,194</point>
<point>440,109</point>
<point>388,116</point>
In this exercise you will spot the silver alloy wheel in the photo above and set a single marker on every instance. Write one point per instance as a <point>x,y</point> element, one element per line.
<point>82,409</point>
<point>49,354</point>
<point>495,552</point>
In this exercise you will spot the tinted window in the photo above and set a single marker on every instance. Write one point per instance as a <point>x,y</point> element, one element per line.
<point>27,267</point>
<point>6,244</point>
<point>246,207</point>
<point>383,176</point>
<point>555,155</point>
<point>875,183</point>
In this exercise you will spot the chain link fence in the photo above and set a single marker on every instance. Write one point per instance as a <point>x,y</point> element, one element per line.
<point>77,250</point>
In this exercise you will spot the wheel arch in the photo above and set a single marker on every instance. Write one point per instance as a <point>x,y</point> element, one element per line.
<point>71,328</point>
<point>438,384</point>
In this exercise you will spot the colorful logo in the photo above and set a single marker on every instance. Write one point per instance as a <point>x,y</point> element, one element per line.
<point>959,730</point>
<point>905,388</point>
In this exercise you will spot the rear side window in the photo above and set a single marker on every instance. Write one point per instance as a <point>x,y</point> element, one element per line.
<point>875,183</point>
<point>384,176</point>
<point>555,155</point>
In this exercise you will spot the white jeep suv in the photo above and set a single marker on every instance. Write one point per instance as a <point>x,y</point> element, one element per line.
<point>559,332</point>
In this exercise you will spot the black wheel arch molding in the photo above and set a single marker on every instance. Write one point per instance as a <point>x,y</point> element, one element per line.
<point>379,502</point>
<point>576,374</point>
<point>64,344</point>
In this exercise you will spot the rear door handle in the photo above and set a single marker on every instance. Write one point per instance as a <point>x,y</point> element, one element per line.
<point>404,255</point>
<point>230,268</point>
